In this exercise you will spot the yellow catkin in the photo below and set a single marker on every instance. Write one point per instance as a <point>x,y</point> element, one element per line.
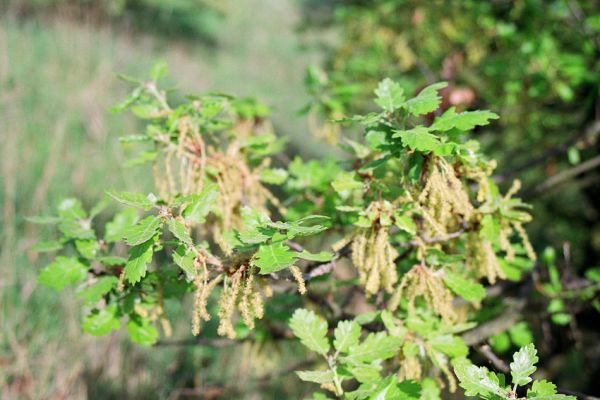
<point>443,198</point>
<point>227,303</point>
<point>121,282</point>
<point>258,305</point>
<point>410,369</point>
<point>373,256</point>
<point>245,305</point>
<point>297,274</point>
<point>525,239</point>
<point>421,281</point>
<point>482,259</point>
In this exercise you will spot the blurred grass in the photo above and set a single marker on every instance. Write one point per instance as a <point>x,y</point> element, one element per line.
<point>57,79</point>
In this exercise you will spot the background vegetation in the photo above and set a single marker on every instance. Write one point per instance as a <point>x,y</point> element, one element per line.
<point>58,66</point>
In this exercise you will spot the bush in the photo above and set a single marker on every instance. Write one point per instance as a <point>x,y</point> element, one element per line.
<point>400,243</point>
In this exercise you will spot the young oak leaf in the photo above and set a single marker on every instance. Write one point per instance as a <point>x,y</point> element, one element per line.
<point>322,256</point>
<point>143,230</point>
<point>428,100</point>
<point>477,380</point>
<point>142,332</point>
<point>418,139</point>
<point>201,204</point>
<point>179,230</point>
<point>137,264</point>
<point>377,346</point>
<point>137,200</point>
<point>544,390</point>
<point>94,293</point>
<point>464,121</point>
<point>467,289</point>
<point>390,95</point>
<point>523,364</point>
<point>62,272</point>
<point>273,257</point>
<point>102,322</point>
<point>311,330</point>
<point>316,376</point>
<point>346,334</point>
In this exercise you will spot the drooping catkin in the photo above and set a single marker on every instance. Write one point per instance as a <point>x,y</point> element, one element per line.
<point>410,369</point>
<point>297,274</point>
<point>246,301</point>
<point>373,256</point>
<point>422,282</point>
<point>227,303</point>
<point>121,282</point>
<point>525,240</point>
<point>482,259</point>
<point>444,198</point>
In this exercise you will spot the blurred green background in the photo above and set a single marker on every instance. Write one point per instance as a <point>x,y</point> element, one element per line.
<point>533,62</point>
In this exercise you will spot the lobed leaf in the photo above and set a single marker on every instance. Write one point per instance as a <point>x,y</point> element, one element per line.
<point>64,271</point>
<point>311,330</point>
<point>523,364</point>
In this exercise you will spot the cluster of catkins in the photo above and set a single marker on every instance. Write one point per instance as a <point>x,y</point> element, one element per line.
<point>421,281</point>
<point>373,256</point>
<point>241,290</point>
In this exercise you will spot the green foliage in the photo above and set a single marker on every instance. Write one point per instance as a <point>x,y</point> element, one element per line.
<point>478,381</point>
<point>415,211</point>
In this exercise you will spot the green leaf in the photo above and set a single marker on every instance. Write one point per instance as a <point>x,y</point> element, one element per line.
<point>201,204</point>
<point>376,346</point>
<point>316,376</point>
<point>490,228</point>
<point>62,272</point>
<point>137,264</point>
<point>418,139</point>
<point>593,274</point>
<point>477,380</point>
<point>451,345</point>
<point>102,322</point>
<point>143,230</point>
<point>87,248</point>
<point>116,228</point>
<point>274,176</point>
<point>311,330</point>
<point>346,334</point>
<point>365,373</point>
<point>142,332</point>
<point>430,390</point>
<point>405,223</point>
<point>159,70</point>
<point>323,256</point>
<point>71,209</point>
<point>273,257</point>
<point>111,261</point>
<point>390,95</point>
<point>346,182</point>
<point>466,288</point>
<point>46,246</point>
<point>544,390</point>
<point>76,229</point>
<point>464,121</point>
<point>426,101</point>
<point>94,293</point>
<point>256,228</point>
<point>137,200</point>
<point>523,364</point>
<point>179,230</point>
<point>184,258</point>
